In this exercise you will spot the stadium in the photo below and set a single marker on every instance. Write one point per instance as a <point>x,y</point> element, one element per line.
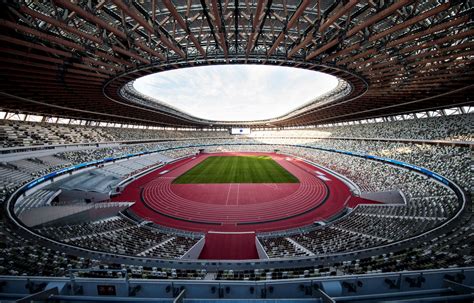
<point>257,150</point>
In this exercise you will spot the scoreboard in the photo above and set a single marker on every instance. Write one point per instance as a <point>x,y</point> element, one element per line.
<point>240,131</point>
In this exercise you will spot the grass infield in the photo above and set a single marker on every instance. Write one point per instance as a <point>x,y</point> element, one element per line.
<point>237,169</point>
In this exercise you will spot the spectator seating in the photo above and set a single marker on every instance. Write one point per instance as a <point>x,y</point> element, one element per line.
<point>121,236</point>
<point>450,128</point>
<point>429,204</point>
<point>39,198</point>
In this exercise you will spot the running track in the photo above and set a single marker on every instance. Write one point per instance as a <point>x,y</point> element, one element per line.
<point>234,207</point>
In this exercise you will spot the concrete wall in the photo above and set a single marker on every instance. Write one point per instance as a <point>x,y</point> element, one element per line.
<point>71,214</point>
<point>387,197</point>
<point>80,195</point>
<point>195,251</point>
<point>261,252</point>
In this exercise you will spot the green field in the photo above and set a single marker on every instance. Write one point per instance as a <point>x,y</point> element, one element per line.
<point>237,169</point>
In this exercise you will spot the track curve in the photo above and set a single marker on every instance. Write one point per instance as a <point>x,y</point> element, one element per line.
<point>235,203</point>
<point>238,207</point>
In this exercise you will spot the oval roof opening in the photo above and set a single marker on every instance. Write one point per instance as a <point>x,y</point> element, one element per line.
<point>236,92</point>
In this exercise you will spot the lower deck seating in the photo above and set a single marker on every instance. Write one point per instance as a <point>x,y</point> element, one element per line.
<point>121,236</point>
<point>39,198</point>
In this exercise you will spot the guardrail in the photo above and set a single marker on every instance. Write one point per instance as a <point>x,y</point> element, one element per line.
<point>442,285</point>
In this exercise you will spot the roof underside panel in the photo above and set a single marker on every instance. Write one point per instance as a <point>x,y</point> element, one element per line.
<point>70,58</point>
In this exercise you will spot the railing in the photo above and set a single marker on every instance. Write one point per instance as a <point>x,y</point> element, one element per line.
<point>442,285</point>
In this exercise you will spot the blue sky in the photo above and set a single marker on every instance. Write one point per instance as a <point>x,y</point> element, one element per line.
<point>236,92</point>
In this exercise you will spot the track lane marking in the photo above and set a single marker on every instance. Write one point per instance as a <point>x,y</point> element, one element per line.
<point>228,194</point>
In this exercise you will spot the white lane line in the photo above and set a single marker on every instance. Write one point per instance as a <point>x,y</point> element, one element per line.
<point>324,178</point>
<point>230,232</point>
<point>238,191</point>
<point>228,194</point>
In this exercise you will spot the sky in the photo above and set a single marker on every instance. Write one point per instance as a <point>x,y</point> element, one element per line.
<point>236,92</point>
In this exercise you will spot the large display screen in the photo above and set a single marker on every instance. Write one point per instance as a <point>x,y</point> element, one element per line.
<point>240,131</point>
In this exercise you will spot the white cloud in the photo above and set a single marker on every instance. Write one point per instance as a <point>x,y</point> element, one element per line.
<point>236,92</point>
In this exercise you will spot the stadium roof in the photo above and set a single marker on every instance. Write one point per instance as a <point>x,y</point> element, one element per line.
<point>79,58</point>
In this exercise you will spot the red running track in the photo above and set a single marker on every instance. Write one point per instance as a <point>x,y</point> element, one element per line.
<point>237,246</point>
<point>237,207</point>
<point>234,203</point>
